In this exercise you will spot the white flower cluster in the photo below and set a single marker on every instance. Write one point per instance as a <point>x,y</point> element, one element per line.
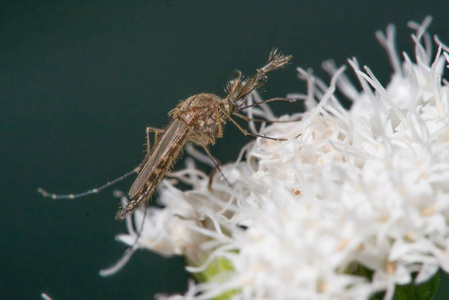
<point>361,188</point>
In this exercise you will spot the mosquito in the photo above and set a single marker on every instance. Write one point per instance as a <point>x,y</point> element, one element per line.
<point>199,120</point>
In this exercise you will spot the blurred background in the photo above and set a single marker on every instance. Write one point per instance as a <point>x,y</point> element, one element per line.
<point>81,80</point>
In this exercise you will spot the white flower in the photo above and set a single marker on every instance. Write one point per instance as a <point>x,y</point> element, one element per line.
<point>364,188</point>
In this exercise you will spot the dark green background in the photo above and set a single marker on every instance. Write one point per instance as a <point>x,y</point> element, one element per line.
<point>80,81</point>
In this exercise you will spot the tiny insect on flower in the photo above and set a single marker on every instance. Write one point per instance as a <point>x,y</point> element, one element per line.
<point>199,119</point>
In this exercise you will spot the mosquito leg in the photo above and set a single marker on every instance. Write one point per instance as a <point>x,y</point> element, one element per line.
<point>157,132</point>
<point>96,190</point>
<point>89,192</point>
<point>245,132</point>
<point>211,177</point>
<point>131,249</point>
<point>217,167</point>
<point>268,121</point>
<point>245,118</point>
<point>278,99</point>
<point>215,161</point>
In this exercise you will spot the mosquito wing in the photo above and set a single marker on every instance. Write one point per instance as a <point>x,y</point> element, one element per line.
<point>160,160</point>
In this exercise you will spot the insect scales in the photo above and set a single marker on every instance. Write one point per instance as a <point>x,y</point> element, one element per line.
<point>199,119</point>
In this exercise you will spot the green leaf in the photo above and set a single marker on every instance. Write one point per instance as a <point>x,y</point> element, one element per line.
<point>424,291</point>
<point>219,270</point>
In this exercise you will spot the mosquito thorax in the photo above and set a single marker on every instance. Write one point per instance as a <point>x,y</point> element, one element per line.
<point>200,113</point>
